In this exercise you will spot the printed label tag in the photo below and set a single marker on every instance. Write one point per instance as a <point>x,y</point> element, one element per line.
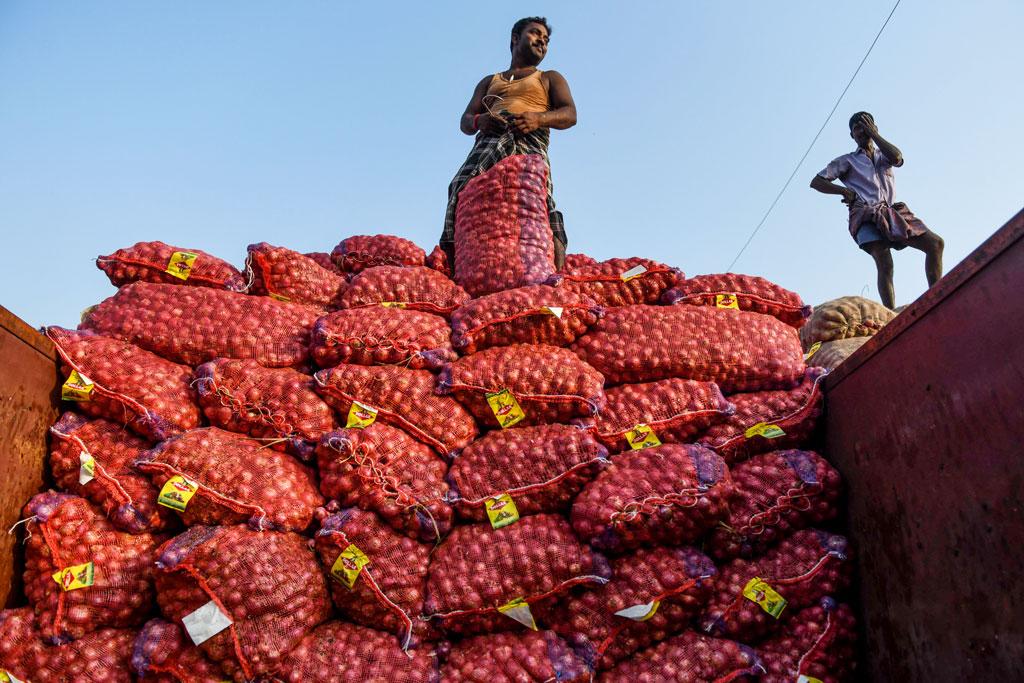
<point>635,271</point>
<point>519,610</point>
<point>640,612</point>
<point>177,492</point>
<point>360,415</point>
<point>278,297</point>
<point>181,264</point>
<point>349,565</point>
<point>768,431</point>
<point>393,304</point>
<point>727,301</point>
<point>87,469</point>
<point>77,387</point>
<point>501,510</point>
<point>7,677</point>
<point>642,436</point>
<point>813,350</point>
<point>205,622</point>
<point>73,578</point>
<point>506,408</point>
<point>757,590</point>
<point>555,311</point>
<point>807,679</point>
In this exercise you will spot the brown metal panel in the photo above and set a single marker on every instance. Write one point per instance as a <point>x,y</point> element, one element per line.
<point>926,422</point>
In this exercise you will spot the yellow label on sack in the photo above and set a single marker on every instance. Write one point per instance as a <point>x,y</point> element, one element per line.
<point>360,415</point>
<point>278,297</point>
<point>518,609</point>
<point>768,431</point>
<point>86,469</point>
<point>554,310</point>
<point>73,578</point>
<point>635,271</point>
<point>501,510</point>
<point>757,590</point>
<point>640,612</point>
<point>506,408</point>
<point>181,264</point>
<point>642,436</point>
<point>349,565</point>
<point>7,677</point>
<point>393,304</point>
<point>177,492</point>
<point>807,679</point>
<point>77,387</point>
<point>727,301</point>
<point>813,350</point>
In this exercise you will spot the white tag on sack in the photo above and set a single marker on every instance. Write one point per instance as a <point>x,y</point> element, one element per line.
<point>87,468</point>
<point>519,610</point>
<point>555,311</point>
<point>7,677</point>
<point>635,271</point>
<point>205,622</point>
<point>807,679</point>
<point>640,612</point>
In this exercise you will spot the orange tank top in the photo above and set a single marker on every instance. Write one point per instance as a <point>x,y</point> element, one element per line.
<point>523,94</point>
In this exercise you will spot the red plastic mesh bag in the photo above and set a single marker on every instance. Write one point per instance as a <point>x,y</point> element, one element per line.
<point>287,275</point>
<point>381,468</point>
<point>123,383</point>
<point>526,383</point>
<point>95,459</point>
<point>777,494</point>
<point>230,479</point>
<point>742,292</point>
<point>502,233</point>
<point>159,262</point>
<point>359,252</point>
<point>737,350</point>
<point>323,259</point>
<point>541,469</point>
<point>275,405</point>
<point>768,420</point>
<point>417,289</point>
<point>400,397</point>
<point>484,579</point>
<point>162,653</point>
<point>667,411</point>
<point>268,584</point>
<point>690,657</point>
<point>382,336</point>
<point>573,261</point>
<point>818,642</point>
<point>192,325</point>
<point>518,657</point>
<point>104,576</point>
<point>438,260</point>
<point>654,593</point>
<point>747,602</point>
<point>536,314</point>
<point>667,494</point>
<point>619,281</point>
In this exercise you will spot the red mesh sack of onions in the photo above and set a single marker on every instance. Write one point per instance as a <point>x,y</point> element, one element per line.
<point>381,468</point>
<point>737,350</point>
<point>768,420</point>
<point>524,384</point>
<point>162,654</point>
<point>382,336</point>
<point>668,494</point>
<point>438,260</point>
<point>515,657</point>
<point>399,397</point>
<point>502,232</point>
<point>654,593</point>
<point>81,574</point>
<point>540,469</point>
<point>649,414</point>
<point>536,314</point>
<point>573,261</point>
<point>742,292</point>
<point>618,281</point>
<point>95,459</point>
<point>115,380</point>
<point>819,642</point>
<point>287,275</point>
<point>483,579</point>
<point>323,259</point>
<point>777,494</point>
<point>192,325</point>
<point>412,288</point>
<point>275,405</point>
<point>159,262</point>
<point>245,597</point>
<point>211,476</point>
<point>690,657</point>
<point>359,252</point>
<point>752,598</point>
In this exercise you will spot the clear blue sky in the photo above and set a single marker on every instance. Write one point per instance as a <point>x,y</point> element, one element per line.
<point>216,124</point>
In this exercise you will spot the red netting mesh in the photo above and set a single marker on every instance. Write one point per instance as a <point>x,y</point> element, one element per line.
<point>417,289</point>
<point>66,533</point>
<point>777,494</point>
<point>126,497</point>
<point>162,653</point>
<point>277,406</point>
<point>746,292</point>
<point>438,260</point>
<point>818,642</point>
<point>549,384</point>
<point>403,398</point>
<point>541,468</point>
<point>537,314</point>
<point>381,468</point>
<point>574,261</point>
<point>151,261</point>
<point>737,350</point>
<point>688,658</point>
<point>382,336</point>
<point>519,657</point>
<point>848,316</point>
<point>502,233</point>
<point>668,494</point>
<point>287,275</point>
<point>323,259</point>
<point>359,252</point>
<point>267,583</point>
<point>192,325</point>
<point>132,387</point>
<point>237,480</point>
<point>619,281</point>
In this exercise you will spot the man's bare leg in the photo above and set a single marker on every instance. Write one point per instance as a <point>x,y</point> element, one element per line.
<point>932,246</point>
<point>882,255</point>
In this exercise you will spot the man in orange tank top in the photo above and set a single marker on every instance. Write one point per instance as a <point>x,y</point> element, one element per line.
<point>513,112</point>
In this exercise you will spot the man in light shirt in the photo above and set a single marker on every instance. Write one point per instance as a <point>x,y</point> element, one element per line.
<point>877,224</point>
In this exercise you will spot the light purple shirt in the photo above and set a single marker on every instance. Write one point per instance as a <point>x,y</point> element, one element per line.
<point>870,178</point>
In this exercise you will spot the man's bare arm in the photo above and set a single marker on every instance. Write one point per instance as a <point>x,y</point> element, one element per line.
<point>562,114</point>
<point>891,151</point>
<point>475,109</point>
<point>828,187</point>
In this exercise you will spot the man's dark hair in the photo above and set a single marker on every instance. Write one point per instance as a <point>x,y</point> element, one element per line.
<point>853,119</point>
<point>517,28</point>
